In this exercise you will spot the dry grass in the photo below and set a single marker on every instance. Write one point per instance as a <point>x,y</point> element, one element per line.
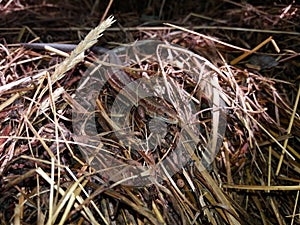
<point>254,179</point>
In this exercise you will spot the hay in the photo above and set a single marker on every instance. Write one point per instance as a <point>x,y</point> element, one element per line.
<point>254,178</point>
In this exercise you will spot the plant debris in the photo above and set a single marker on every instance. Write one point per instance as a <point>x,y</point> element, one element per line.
<point>252,52</point>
